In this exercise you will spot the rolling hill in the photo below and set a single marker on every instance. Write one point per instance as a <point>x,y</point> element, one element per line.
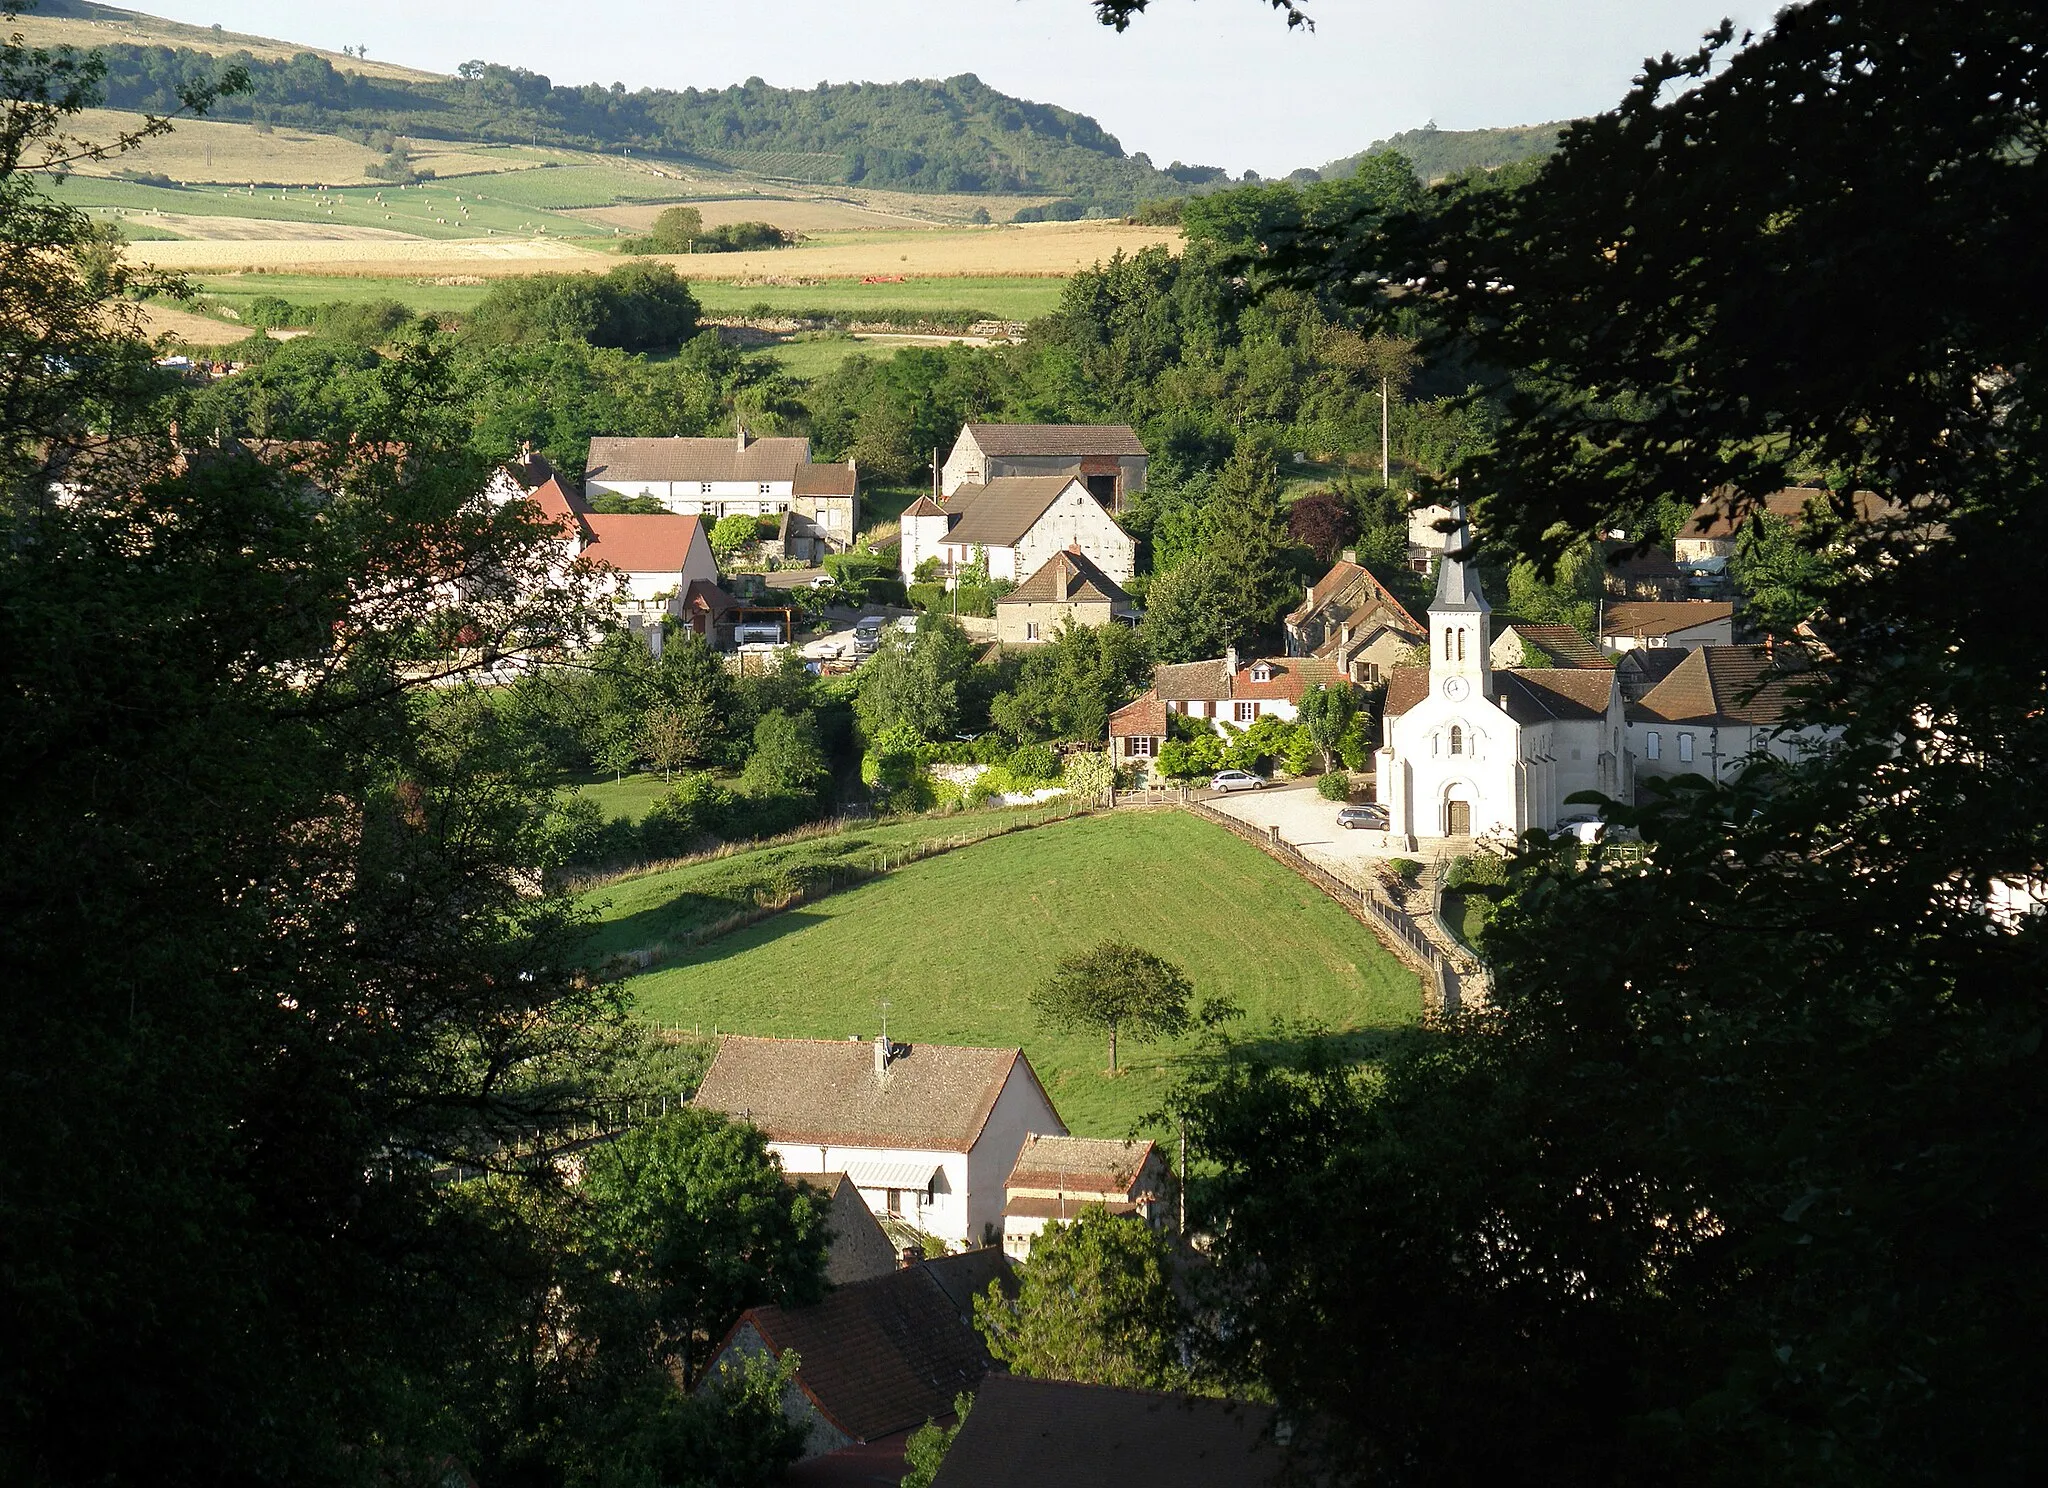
<point>955,135</point>
<point>1436,153</point>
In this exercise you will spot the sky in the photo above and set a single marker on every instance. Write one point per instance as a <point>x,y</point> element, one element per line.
<point>1209,82</point>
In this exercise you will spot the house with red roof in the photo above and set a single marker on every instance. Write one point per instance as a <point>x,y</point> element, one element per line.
<point>1350,618</point>
<point>657,562</point>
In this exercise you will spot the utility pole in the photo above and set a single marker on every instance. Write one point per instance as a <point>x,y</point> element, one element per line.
<point>1386,465</point>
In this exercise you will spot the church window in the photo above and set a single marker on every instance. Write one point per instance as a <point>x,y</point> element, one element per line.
<point>1653,745</point>
<point>1461,643</point>
<point>1447,643</point>
<point>1685,748</point>
<point>1457,740</point>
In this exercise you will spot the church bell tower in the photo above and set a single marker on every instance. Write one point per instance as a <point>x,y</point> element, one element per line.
<point>1460,622</point>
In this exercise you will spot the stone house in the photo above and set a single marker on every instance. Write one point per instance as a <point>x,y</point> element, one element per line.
<point>1067,589</point>
<point>1524,645</point>
<point>1349,618</point>
<point>1108,459</point>
<point>1056,1178</point>
<point>1019,522</point>
<point>817,506</point>
<point>861,1249</point>
<point>927,1132</point>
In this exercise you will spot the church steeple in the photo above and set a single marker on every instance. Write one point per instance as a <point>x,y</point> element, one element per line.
<point>1460,620</point>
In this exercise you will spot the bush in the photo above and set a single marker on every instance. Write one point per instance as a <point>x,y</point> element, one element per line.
<point>730,535</point>
<point>695,808</point>
<point>1405,869</point>
<point>1479,870</point>
<point>1035,762</point>
<point>1335,786</point>
<point>927,597</point>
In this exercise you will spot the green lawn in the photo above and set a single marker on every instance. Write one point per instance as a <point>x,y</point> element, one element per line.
<point>1467,914</point>
<point>628,797</point>
<point>462,207</point>
<point>956,943</point>
<point>1000,297</point>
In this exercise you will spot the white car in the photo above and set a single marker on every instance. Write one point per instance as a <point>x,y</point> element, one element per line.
<point>1235,780</point>
<point>1583,828</point>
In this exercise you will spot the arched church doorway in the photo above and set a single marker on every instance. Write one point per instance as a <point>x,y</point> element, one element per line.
<point>1457,818</point>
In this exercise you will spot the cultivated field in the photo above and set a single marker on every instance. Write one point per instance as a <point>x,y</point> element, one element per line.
<point>200,151</point>
<point>956,943</point>
<point>112,27</point>
<point>1050,249</point>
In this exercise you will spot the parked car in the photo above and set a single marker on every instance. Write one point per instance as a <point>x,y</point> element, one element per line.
<point>1369,817</point>
<point>1584,828</point>
<point>1235,780</point>
<point>867,634</point>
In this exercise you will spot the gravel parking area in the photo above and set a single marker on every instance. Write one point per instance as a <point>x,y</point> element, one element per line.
<point>1309,823</point>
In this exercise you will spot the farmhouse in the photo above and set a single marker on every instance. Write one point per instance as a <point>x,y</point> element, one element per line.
<point>1068,589</point>
<point>1718,709</point>
<point>927,1132</point>
<point>818,505</point>
<point>1056,1178</point>
<point>1016,522</point>
<point>1108,459</point>
<point>879,1358</point>
<point>662,561</point>
<point>1472,748</point>
<point>1654,623</point>
<point>1350,619</point>
<point>1026,1433</point>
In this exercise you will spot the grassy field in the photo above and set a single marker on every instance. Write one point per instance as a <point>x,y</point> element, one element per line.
<point>627,798</point>
<point>956,943</point>
<point>456,210</point>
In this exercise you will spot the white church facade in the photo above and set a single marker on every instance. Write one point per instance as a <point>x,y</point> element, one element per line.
<point>1471,748</point>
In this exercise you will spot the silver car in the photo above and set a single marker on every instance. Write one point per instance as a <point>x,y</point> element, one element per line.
<point>1235,780</point>
<point>1369,817</point>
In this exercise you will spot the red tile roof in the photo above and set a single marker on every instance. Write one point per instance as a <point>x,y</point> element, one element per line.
<point>1355,583</point>
<point>1406,686</point>
<point>825,480</point>
<point>1144,718</point>
<point>1067,576</point>
<point>924,506</point>
<point>1563,645</point>
<point>1080,1164</point>
<point>634,542</point>
<point>1292,677</point>
<point>1726,685</point>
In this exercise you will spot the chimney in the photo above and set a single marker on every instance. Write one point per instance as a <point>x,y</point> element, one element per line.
<point>1350,555</point>
<point>742,437</point>
<point>1229,662</point>
<point>910,1255</point>
<point>525,451</point>
<point>882,1053</point>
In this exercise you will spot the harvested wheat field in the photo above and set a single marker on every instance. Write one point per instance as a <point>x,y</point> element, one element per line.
<point>1052,249</point>
<point>196,330</point>
<point>114,27</point>
<point>204,152</point>
<point>793,215</point>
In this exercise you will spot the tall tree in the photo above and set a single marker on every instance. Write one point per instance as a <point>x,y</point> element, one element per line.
<point>1095,1304</point>
<point>1248,538</point>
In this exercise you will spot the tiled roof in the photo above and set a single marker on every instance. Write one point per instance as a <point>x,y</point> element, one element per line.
<point>924,506</point>
<point>1064,577</point>
<point>1650,663</point>
<point>1079,1164</point>
<point>937,1097</point>
<point>1406,686</point>
<point>998,513</point>
<point>705,595</point>
<point>634,542</point>
<point>824,480</point>
<point>615,460</point>
<point>1056,439</point>
<point>1142,718</point>
<point>1725,685</point>
<point>1563,645</point>
<point>1352,586</point>
<point>1662,617</point>
<point>1186,681</point>
<point>1538,695</point>
<point>1028,1433</point>
<point>1067,1206</point>
<point>1292,677</point>
<point>878,1356</point>
<point>558,501</point>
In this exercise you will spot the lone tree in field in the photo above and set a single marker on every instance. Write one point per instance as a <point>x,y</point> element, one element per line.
<point>1116,988</point>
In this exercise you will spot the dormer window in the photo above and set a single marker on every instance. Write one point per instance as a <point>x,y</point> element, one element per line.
<point>1262,673</point>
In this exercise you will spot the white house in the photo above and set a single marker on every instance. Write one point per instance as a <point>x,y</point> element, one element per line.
<point>1020,522</point>
<point>1719,708</point>
<point>1627,624</point>
<point>1108,459</point>
<point>1057,1178</point>
<point>927,1132</point>
<point>658,559</point>
<point>741,476</point>
<point>1221,693</point>
<point>1473,748</point>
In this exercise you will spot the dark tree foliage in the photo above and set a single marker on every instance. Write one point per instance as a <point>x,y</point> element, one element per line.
<point>1741,1177</point>
<point>1323,523</point>
<point>635,307</point>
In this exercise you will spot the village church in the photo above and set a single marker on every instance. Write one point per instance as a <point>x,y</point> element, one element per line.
<point>1472,748</point>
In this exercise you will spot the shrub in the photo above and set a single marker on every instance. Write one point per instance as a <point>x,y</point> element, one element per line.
<point>695,808</point>
<point>1335,786</point>
<point>730,535</point>
<point>1035,762</point>
<point>1405,869</point>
